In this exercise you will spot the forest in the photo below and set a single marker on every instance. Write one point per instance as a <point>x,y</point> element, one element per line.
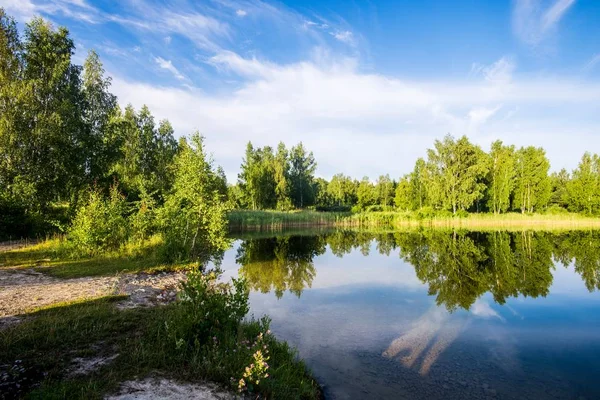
<point>73,159</point>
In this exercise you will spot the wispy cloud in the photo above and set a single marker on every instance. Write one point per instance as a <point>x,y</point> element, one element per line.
<point>500,72</point>
<point>532,23</point>
<point>344,36</point>
<point>168,65</point>
<point>241,13</point>
<point>320,103</point>
<point>555,13</point>
<point>480,115</point>
<point>21,9</point>
<point>482,309</point>
<point>591,64</point>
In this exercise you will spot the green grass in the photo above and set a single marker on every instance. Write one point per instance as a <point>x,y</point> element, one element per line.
<point>246,221</point>
<point>508,221</point>
<point>53,257</point>
<point>46,343</point>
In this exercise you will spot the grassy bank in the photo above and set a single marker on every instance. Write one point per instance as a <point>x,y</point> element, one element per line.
<point>245,221</point>
<point>203,336</point>
<point>139,342</point>
<point>53,257</point>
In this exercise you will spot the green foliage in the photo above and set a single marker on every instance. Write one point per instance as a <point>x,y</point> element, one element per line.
<point>279,264</point>
<point>533,185</point>
<point>341,191</point>
<point>500,177</point>
<point>193,218</point>
<point>147,340</point>
<point>143,221</point>
<point>365,194</point>
<point>456,169</point>
<point>302,170</point>
<point>99,224</point>
<point>583,190</point>
<point>213,309</point>
<point>61,131</point>
<point>403,198</point>
<point>385,191</point>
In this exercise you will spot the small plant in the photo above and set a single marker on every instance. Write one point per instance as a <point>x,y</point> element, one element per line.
<point>100,224</point>
<point>258,368</point>
<point>214,308</point>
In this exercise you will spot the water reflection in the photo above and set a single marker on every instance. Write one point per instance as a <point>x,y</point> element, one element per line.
<point>421,346</point>
<point>457,267</point>
<point>417,315</point>
<point>280,264</point>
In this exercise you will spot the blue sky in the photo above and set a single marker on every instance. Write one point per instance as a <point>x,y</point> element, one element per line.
<point>368,86</point>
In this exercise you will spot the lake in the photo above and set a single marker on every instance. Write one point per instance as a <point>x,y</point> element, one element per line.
<point>433,314</point>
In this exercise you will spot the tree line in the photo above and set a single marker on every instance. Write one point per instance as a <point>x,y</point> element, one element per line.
<point>456,176</point>
<point>63,133</point>
<point>72,159</point>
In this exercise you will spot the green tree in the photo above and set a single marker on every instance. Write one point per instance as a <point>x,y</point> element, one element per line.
<point>302,169</point>
<point>456,168</point>
<point>257,177</point>
<point>404,194</point>
<point>100,106</point>
<point>194,215</point>
<point>321,190</point>
<point>145,153</point>
<point>583,190</point>
<point>533,186</point>
<point>385,190</point>
<point>419,179</point>
<point>500,177</point>
<point>282,178</point>
<point>559,182</point>
<point>342,190</point>
<point>365,194</point>
<point>53,135</point>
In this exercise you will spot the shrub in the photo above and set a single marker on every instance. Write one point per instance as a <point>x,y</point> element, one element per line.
<point>425,213</point>
<point>213,308</point>
<point>143,220</point>
<point>555,209</point>
<point>100,224</point>
<point>194,217</point>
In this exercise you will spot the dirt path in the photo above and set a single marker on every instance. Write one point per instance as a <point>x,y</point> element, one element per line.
<point>22,290</point>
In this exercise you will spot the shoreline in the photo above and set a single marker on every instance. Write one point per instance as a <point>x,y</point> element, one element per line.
<point>274,221</point>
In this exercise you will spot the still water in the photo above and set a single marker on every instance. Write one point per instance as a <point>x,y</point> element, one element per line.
<point>433,314</point>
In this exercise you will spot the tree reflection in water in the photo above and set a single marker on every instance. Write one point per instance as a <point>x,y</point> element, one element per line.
<point>458,266</point>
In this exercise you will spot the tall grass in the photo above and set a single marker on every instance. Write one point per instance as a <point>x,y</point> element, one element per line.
<point>244,221</point>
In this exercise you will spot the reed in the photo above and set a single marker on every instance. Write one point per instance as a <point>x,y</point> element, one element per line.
<point>244,221</point>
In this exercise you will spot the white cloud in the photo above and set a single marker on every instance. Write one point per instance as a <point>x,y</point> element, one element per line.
<point>500,72</point>
<point>345,115</point>
<point>479,115</point>
<point>590,65</point>
<point>252,68</point>
<point>344,36</point>
<point>168,65</point>
<point>22,10</point>
<point>241,13</point>
<point>555,13</point>
<point>482,309</point>
<point>532,23</point>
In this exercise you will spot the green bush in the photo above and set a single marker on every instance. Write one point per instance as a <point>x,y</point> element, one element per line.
<point>143,221</point>
<point>100,224</point>
<point>555,209</point>
<point>425,213</point>
<point>213,308</point>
